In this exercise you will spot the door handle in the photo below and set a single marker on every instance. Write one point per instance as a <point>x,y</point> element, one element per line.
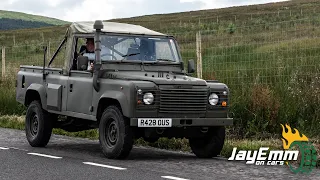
<point>71,86</point>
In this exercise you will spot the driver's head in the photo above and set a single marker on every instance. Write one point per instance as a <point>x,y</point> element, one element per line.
<point>90,44</point>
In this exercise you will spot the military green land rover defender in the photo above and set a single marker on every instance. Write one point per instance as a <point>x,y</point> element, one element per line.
<point>132,85</point>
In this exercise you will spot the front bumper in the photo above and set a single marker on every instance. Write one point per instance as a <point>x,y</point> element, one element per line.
<point>193,122</point>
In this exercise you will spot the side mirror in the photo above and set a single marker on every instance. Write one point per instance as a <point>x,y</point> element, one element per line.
<point>82,63</point>
<point>191,66</point>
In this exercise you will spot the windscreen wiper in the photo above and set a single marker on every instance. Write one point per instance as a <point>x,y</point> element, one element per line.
<point>167,60</point>
<point>130,54</point>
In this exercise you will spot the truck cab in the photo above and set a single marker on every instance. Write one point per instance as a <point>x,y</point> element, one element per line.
<point>133,85</point>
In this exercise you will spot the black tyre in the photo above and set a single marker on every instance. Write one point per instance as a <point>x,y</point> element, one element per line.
<point>211,145</point>
<point>38,125</point>
<point>115,134</point>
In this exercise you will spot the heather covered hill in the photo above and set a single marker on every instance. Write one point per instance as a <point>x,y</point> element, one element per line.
<point>10,20</point>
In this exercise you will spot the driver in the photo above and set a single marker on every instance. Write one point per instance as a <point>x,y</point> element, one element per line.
<point>89,47</point>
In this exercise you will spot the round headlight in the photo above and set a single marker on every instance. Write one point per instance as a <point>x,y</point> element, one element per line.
<point>148,98</point>
<point>213,99</point>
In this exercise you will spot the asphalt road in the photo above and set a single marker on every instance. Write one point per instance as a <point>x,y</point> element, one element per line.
<point>75,158</point>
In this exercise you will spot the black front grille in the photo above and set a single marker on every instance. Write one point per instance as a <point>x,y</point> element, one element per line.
<point>183,100</point>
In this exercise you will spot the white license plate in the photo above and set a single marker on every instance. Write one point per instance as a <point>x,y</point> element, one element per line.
<point>154,122</point>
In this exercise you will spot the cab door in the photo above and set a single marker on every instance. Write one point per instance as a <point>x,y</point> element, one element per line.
<point>80,88</point>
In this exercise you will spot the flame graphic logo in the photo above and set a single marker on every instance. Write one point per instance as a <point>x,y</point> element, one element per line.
<point>289,137</point>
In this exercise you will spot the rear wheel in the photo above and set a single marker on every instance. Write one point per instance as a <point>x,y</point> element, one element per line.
<point>115,134</point>
<point>38,125</point>
<point>209,146</point>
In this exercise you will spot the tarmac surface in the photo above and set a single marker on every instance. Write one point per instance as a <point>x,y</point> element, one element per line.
<point>77,158</point>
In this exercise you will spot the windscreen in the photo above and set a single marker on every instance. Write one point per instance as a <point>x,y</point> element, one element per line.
<point>138,48</point>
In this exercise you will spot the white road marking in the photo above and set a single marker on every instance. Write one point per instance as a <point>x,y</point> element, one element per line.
<point>174,178</point>
<point>18,149</point>
<point>106,166</point>
<point>44,155</point>
<point>4,148</point>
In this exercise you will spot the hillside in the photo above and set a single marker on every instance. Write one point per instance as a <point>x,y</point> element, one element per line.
<point>214,19</point>
<point>10,20</point>
<point>189,22</point>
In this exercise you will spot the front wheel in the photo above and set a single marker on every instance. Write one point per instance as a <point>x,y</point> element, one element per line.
<point>209,146</point>
<point>115,134</point>
<point>38,125</point>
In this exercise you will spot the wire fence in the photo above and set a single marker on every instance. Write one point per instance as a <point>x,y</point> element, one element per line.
<point>267,53</point>
<point>262,54</point>
<point>272,69</point>
<point>30,54</point>
<point>240,16</point>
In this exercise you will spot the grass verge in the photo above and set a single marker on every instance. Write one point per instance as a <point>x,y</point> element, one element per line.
<point>17,122</point>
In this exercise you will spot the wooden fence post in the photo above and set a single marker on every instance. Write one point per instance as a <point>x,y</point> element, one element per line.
<point>48,52</point>
<point>42,36</point>
<point>3,62</point>
<point>199,56</point>
<point>14,40</point>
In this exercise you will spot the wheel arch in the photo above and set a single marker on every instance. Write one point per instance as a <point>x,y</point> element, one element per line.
<point>36,92</point>
<point>113,98</point>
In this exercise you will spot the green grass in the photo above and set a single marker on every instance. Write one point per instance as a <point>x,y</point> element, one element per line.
<point>13,122</point>
<point>30,17</point>
<point>255,18</point>
<point>270,83</point>
<point>8,103</point>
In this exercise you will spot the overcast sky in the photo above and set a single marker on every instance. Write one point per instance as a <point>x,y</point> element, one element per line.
<point>89,10</point>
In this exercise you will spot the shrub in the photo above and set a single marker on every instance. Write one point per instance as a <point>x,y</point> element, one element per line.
<point>231,28</point>
<point>8,103</point>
